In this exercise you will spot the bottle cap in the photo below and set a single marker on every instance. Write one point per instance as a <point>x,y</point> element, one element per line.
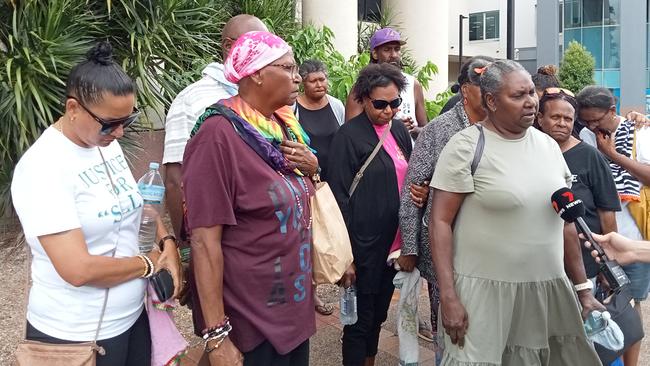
<point>154,165</point>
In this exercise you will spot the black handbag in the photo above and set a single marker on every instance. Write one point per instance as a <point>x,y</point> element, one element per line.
<point>623,313</point>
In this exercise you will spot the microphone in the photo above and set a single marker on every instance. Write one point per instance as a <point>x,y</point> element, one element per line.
<point>572,210</point>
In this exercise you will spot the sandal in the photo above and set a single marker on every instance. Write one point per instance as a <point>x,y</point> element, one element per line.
<point>326,309</point>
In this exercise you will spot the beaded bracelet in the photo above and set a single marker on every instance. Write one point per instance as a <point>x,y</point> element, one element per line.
<point>161,243</point>
<point>224,322</point>
<point>151,269</point>
<point>219,341</point>
<point>146,265</point>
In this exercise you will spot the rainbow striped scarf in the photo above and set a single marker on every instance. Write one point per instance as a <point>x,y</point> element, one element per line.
<point>270,130</point>
<point>262,135</point>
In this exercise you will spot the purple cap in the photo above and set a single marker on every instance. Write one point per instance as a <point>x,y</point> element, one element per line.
<point>383,36</point>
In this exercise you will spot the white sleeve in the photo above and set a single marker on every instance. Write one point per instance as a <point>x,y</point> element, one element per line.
<point>44,198</point>
<point>176,130</point>
<point>643,145</point>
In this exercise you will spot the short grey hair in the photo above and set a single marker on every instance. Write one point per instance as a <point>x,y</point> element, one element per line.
<point>311,66</point>
<point>491,80</point>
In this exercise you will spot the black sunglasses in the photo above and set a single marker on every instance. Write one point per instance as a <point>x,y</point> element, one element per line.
<point>382,104</point>
<point>110,125</point>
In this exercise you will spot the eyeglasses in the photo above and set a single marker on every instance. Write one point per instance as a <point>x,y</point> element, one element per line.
<point>292,68</point>
<point>594,121</point>
<point>553,91</point>
<point>382,104</point>
<point>110,125</point>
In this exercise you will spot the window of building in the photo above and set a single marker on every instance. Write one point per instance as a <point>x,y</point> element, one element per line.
<point>369,10</point>
<point>595,24</point>
<point>483,26</point>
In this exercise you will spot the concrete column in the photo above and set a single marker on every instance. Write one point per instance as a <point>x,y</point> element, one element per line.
<point>633,53</point>
<point>424,24</point>
<point>548,30</point>
<point>338,15</point>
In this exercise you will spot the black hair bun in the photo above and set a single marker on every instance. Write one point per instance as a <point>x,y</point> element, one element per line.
<point>455,88</point>
<point>101,53</point>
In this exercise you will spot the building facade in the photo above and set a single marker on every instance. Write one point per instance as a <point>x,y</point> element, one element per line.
<point>542,29</point>
<point>615,32</point>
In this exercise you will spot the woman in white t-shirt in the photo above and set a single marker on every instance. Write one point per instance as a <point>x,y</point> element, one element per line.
<point>78,205</point>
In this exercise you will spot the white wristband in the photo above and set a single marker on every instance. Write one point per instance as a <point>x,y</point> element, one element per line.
<point>584,286</point>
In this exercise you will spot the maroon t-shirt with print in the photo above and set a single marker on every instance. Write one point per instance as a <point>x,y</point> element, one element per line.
<point>266,240</point>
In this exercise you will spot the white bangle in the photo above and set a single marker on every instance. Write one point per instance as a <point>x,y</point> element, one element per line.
<point>584,286</point>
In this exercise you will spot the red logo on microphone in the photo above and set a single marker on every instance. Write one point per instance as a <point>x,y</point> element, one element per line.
<point>568,195</point>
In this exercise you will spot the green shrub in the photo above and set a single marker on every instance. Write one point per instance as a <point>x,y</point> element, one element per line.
<point>577,67</point>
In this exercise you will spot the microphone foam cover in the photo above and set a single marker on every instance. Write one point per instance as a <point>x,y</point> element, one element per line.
<point>566,205</point>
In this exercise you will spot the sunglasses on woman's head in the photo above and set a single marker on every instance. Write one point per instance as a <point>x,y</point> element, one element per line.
<point>382,104</point>
<point>554,91</point>
<point>110,125</point>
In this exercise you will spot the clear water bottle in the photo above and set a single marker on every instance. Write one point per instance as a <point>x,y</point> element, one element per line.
<point>348,304</point>
<point>596,322</point>
<point>152,189</point>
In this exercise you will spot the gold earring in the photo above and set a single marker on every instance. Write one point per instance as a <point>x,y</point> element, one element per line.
<point>259,83</point>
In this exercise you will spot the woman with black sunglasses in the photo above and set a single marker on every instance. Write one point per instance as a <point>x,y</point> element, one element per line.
<point>371,210</point>
<point>80,210</point>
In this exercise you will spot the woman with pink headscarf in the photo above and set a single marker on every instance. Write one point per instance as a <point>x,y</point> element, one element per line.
<point>247,189</point>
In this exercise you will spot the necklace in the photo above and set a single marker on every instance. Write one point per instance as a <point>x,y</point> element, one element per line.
<point>301,212</point>
<point>59,126</point>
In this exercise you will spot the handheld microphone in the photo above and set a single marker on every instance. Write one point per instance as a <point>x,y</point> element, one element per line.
<point>572,210</point>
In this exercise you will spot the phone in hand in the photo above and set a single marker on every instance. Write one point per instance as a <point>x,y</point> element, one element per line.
<point>163,284</point>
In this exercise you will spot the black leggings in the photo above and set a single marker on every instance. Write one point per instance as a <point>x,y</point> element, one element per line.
<point>131,348</point>
<point>360,340</point>
<point>266,355</point>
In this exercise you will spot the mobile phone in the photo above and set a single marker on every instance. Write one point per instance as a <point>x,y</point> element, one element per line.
<point>163,284</point>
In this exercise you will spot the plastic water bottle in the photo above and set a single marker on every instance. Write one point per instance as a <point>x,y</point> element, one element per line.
<point>596,322</point>
<point>152,189</point>
<point>348,304</point>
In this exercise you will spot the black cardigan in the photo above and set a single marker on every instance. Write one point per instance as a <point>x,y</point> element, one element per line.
<point>371,215</point>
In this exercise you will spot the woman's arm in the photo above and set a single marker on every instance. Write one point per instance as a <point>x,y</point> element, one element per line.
<point>639,170</point>
<point>444,209</point>
<point>207,258</point>
<point>607,221</point>
<point>169,258</point>
<point>575,269</point>
<point>69,254</point>
<point>208,275</point>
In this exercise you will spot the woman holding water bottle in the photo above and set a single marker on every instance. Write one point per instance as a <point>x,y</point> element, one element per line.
<point>80,210</point>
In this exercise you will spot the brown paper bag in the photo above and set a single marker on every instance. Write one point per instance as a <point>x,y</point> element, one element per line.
<point>332,252</point>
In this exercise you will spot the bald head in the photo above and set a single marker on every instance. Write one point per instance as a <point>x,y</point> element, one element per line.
<point>236,26</point>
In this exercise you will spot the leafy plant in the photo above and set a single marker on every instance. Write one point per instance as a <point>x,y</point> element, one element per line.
<point>577,67</point>
<point>156,42</point>
<point>278,15</point>
<point>434,106</point>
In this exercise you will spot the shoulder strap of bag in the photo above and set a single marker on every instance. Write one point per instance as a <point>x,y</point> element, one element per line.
<point>110,178</point>
<point>359,175</point>
<point>480,145</point>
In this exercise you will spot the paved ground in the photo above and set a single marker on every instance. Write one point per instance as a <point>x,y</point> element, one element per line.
<point>325,345</point>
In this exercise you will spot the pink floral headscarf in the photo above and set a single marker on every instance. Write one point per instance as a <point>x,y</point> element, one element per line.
<point>251,52</point>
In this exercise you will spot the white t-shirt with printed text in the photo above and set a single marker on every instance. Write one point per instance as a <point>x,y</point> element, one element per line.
<point>59,186</point>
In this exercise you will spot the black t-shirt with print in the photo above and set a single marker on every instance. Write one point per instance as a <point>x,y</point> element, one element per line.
<point>594,185</point>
